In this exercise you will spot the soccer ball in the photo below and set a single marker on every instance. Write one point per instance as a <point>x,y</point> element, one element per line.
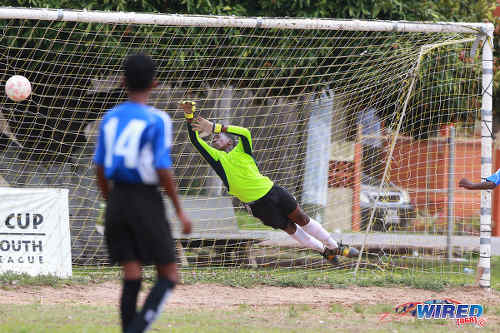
<point>18,88</point>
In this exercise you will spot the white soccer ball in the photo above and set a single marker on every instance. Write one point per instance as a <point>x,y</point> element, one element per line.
<point>18,88</point>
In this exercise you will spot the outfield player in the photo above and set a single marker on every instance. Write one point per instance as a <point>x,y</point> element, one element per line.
<point>490,183</point>
<point>270,203</point>
<point>132,158</point>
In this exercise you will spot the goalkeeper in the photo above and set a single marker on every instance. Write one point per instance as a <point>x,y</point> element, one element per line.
<point>270,203</point>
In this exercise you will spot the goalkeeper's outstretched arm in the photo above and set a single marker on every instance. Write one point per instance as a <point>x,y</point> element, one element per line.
<point>200,124</point>
<point>210,154</point>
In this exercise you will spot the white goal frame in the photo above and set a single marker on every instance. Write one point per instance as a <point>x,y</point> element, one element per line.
<point>484,32</point>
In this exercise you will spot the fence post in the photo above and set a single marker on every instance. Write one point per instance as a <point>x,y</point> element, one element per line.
<point>356,183</point>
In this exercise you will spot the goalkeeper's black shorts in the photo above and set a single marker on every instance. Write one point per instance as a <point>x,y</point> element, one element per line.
<point>274,207</point>
<point>137,227</point>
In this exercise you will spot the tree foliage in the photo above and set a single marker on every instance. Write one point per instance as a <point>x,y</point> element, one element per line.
<point>251,63</point>
<point>427,10</point>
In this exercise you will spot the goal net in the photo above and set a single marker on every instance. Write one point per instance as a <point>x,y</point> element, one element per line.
<point>370,125</point>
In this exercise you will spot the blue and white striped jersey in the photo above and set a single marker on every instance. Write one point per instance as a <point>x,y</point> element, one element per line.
<point>134,140</point>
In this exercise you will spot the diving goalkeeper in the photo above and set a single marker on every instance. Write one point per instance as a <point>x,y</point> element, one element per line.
<point>270,203</point>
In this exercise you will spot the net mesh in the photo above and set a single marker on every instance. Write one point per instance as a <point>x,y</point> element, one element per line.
<point>324,108</point>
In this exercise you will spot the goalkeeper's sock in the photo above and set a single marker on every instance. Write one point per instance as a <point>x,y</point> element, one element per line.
<point>306,240</point>
<point>128,302</point>
<point>316,230</point>
<point>152,306</point>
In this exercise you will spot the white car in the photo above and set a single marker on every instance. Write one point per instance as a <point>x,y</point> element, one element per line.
<point>392,205</point>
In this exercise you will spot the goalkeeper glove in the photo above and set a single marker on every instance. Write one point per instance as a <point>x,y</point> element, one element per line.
<point>217,128</point>
<point>189,115</point>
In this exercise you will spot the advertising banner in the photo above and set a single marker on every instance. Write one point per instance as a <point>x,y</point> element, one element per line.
<point>34,231</point>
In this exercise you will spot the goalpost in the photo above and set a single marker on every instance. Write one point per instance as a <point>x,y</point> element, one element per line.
<point>370,124</point>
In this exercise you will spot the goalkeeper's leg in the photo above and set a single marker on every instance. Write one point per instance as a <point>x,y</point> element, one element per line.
<point>297,233</point>
<point>315,229</point>
<point>287,206</point>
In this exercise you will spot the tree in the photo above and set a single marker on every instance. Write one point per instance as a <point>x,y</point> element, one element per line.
<point>428,10</point>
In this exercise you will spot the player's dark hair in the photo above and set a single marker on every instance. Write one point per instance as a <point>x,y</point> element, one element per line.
<point>139,71</point>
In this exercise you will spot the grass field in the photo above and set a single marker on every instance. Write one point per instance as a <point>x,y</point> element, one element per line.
<point>38,318</point>
<point>244,300</point>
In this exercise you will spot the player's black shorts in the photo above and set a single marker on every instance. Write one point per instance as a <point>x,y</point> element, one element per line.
<point>137,227</point>
<point>274,207</point>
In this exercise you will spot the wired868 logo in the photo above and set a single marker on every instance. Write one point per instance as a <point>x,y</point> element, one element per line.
<point>462,313</point>
<point>441,309</point>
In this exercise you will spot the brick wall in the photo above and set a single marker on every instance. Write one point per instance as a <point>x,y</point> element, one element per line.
<point>422,168</point>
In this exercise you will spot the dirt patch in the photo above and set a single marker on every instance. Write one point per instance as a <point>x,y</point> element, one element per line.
<point>216,296</point>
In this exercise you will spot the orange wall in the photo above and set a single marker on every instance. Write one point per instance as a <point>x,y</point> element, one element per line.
<point>496,12</point>
<point>422,167</point>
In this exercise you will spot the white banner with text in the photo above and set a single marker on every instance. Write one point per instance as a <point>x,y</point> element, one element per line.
<point>34,231</point>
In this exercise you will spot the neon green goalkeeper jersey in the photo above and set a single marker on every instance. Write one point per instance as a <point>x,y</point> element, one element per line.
<point>237,169</point>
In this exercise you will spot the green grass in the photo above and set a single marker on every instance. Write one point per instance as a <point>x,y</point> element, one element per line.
<point>430,278</point>
<point>358,308</point>
<point>495,273</point>
<point>336,308</point>
<point>281,277</point>
<point>36,318</point>
<point>303,318</point>
<point>248,278</point>
<point>12,280</point>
